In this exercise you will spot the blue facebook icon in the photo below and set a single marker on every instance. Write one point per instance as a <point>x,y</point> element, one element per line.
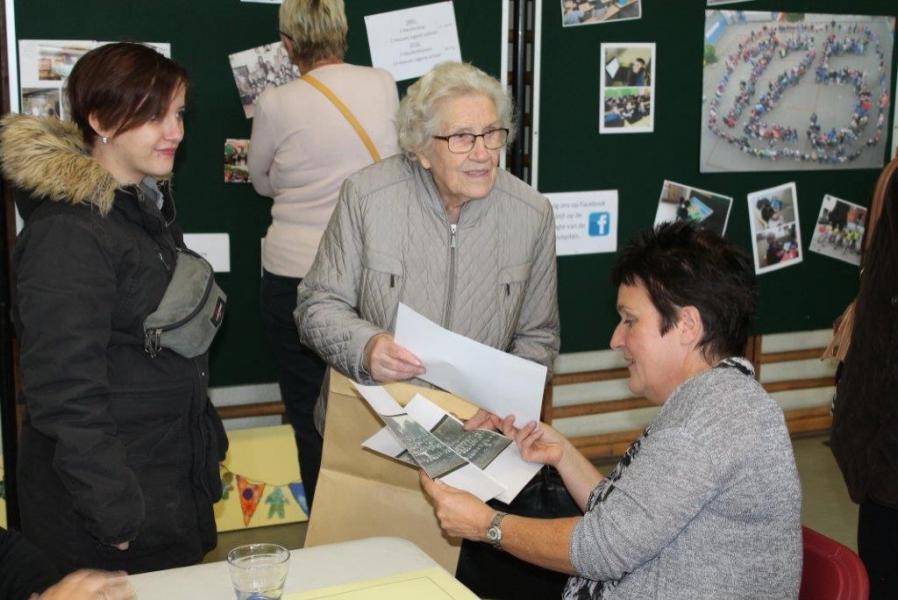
<point>599,224</point>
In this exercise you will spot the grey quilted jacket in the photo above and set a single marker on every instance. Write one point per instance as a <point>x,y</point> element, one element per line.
<point>389,241</point>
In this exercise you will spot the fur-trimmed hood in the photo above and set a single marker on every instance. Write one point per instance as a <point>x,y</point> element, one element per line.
<point>48,158</point>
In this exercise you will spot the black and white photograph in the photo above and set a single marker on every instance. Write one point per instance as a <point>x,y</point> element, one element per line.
<point>839,230</point>
<point>235,168</point>
<point>707,210</point>
<point>480,446</point>
<point>775,231</point>
<point>257,69</point>
<point>794,91</point>
<point>626,90</point>
<point>594,12</point>
<point>432,455</point>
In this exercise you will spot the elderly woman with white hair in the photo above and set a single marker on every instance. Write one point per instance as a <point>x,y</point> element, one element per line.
<point>442,229</point>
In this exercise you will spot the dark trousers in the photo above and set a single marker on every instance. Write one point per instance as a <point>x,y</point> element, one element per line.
<point>491,573</point>
<point>877,543</point>
<point>300,372</point>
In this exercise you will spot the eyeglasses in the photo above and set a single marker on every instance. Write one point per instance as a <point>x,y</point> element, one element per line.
<point>289,37</point>
<point>462,143</point>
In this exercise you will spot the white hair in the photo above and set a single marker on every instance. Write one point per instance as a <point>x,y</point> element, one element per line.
<point>419,115</point>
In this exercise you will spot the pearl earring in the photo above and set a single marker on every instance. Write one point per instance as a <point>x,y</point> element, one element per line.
<point>104,140</point>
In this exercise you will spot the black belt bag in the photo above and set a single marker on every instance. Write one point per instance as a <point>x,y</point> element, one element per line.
<point>190,312</point>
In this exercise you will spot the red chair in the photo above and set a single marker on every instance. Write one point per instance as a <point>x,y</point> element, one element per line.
<point>831,571</point>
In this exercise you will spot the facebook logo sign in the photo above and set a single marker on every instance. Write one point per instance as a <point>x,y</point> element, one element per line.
<point>599,224</point>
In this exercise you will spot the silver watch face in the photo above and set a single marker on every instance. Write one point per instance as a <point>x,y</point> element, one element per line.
<point>494,534</point>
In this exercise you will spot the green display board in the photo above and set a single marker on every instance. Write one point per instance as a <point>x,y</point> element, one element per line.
<point>574,157</point>
<point>202,34</point>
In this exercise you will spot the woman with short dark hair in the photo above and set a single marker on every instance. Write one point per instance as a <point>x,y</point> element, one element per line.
<point>706,504</point>
<point>118,466</point>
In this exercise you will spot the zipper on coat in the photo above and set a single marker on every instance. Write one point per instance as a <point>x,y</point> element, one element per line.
<point>453,246</point>
<point>162,258</point>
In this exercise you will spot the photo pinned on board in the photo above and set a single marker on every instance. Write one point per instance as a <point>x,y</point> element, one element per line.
<point>794,91</point>
<point>775,231</point>
<point>839,230</point>
<point>707,210</point>
<point>626,88</point>
<point>235,168</point>
<point>257,69</point>
<point>44,68</point>
<point>594,12</point>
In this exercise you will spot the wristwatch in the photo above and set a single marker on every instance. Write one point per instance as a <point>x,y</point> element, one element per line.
<point>494,533</point>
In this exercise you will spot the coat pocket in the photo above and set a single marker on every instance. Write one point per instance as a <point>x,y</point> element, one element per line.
<point>511,288</point>
<point>214,448</point>
<point>381,288</point>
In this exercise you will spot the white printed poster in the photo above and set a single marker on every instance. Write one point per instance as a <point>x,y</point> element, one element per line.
<point>585,222</point>
<point>214,247</point>
<point>410,42</point>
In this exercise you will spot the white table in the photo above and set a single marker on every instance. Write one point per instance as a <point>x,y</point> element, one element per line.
<point>310,568</point>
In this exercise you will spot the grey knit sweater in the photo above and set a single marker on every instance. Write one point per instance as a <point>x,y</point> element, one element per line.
<point>706,504</point>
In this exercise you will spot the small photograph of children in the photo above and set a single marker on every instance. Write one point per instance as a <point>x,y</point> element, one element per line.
<point>593,12</point>
<point>235,169</point>
<point>679,202</point>
<point>839,230</point>
<point>257,69</point>
<point>776,234</point>
<point>627,103</point>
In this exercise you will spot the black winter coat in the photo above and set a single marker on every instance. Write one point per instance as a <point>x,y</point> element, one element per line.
<point>116,445</point>
<point>865,412</point>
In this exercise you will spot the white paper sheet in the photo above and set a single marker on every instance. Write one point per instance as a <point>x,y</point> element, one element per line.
<point>494,380</point>
<point>508,467</point>
<point>214,247</point>
<point>410,42</point>
<point>426,449</point>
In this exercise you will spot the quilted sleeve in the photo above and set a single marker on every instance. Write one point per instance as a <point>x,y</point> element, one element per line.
<point>538,333</point>
<point>327,299</point>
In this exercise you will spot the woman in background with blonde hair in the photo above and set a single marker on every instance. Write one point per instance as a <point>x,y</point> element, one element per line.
<point>303,146</point>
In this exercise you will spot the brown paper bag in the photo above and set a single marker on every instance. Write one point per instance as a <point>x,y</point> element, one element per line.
<point>364,494</point>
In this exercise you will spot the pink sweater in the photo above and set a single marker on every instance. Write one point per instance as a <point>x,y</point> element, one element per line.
<point>302,149</point>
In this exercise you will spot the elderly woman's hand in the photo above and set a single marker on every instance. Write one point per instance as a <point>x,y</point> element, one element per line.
<point>538,442</point>
<point>90,585</point>
<point>388,361</point>
<point>460,514</point>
